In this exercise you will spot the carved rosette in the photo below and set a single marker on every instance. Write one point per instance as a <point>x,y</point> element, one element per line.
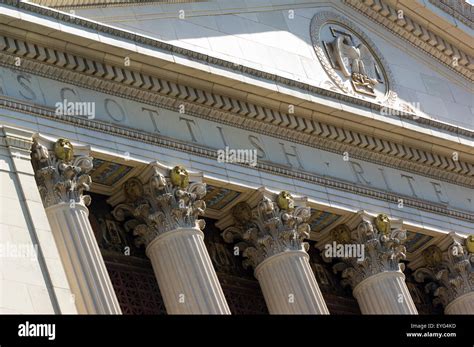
<point>161,204</point>
<point>382,240</point>
<point>449,274</point>
<point>62,176</point>
<point>271,228</point>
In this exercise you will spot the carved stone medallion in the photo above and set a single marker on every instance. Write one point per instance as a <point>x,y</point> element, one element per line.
<point>350,58</point>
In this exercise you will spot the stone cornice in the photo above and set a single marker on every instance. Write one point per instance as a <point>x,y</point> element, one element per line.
<point>122,34</point>
<point>103,3</point>
<point>202,151</point>
<point>310,109</point>
<point>144,88</point>
<point>417,34</point>
<point>459,9</point>
<point>16,139</point>
<point>234,112</point>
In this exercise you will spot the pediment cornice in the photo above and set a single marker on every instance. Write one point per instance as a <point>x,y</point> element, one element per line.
<point>239,113</point>
<point>308,127</point>
<point>451,50</point>
<point>103,3</point>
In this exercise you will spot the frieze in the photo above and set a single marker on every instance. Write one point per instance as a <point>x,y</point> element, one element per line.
<point>129,78</point>
<point>200,150</point>
<point>258,119</point>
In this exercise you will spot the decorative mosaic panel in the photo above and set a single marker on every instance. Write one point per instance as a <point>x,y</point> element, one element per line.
<point>320,219</point>
<point>107,172</point>
<point>217,198</point>
<point>415,241</point>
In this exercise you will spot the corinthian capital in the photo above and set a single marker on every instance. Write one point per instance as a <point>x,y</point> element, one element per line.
<point>61,171</point>
<point>160,200</point>
<point>450,273</point>
<point>266,225</point>
<point>365,246</point>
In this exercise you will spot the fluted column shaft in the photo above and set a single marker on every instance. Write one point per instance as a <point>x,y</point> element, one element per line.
<point>384,293</point>
<point>271,238</point>
<point>462,305</point>
<point>289,286</point>
<point>185,275</point>
<point>165,211</point>
<point>85,268</point>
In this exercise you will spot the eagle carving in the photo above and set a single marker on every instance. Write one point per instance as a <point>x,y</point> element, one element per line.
<point>356,63</point>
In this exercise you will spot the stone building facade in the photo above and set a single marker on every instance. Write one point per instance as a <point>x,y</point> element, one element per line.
<point>236,157</point>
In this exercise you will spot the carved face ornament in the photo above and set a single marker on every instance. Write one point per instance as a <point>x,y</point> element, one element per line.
<point>64,150</point>
<point>433,256</point>
<point>133,189</point>
<point>341,234</point>
<point>382,222</point>
<point>285,201</point>
<point>179,177</point>
<point>242,213</point>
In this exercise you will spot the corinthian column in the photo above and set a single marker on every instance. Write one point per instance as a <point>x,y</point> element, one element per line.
<point>450,274</point>
<point>164,214</point>
<point>271,240</point>
<point>62,177</point>
<point>369,250</point>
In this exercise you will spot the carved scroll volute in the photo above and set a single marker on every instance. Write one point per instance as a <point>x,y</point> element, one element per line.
<point>448,274</point>
<point>61,171</point>
<point>161,200</point>
<point>382,239</point>
<point>272,226</point>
